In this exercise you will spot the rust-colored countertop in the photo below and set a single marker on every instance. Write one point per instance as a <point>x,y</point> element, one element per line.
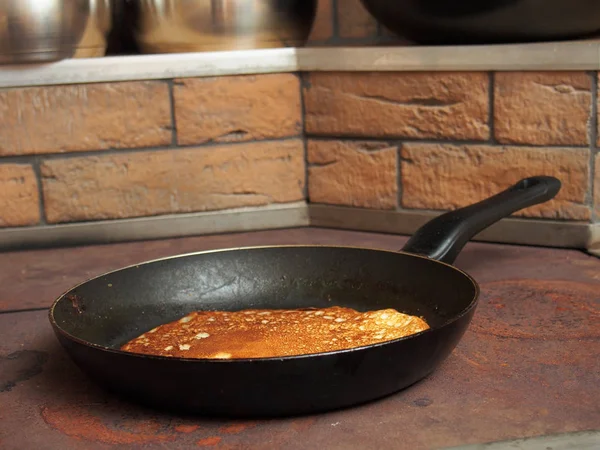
<point>528,366</point>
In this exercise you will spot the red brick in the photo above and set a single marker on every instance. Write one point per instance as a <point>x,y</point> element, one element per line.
<point>437,176</point>
<point>19,198</point>
<point>323,26</point>
<point>389,105</point>
<point>351,173</point>
<point>58,119</point>
<point>173,181</point>
<point>354,20</point>
<point>237,108</point>
<point>549,108</point>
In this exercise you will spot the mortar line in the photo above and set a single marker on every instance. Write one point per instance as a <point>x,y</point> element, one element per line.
<point>399,176</point>
<point>123,151</point>
<point>30,158</point>
<point>401,208</point>
<point>441,141</point>
<point>492,107</point>
<point>379,27</point>
<point>174,136</point>
<point>36,165</point>
<point>335,20</point>
<point>354,41</point>
<point>301,76</point>
<point>593,133</point>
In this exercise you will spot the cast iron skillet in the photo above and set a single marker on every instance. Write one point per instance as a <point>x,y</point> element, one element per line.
<point>95,318</point>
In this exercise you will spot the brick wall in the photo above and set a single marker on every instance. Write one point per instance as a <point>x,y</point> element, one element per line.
<point>120,150</point>
<point>347,23</point>
<point>436,141</point>
<point>389,141</point>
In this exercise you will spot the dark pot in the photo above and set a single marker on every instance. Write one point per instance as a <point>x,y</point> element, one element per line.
<point>442,22</point>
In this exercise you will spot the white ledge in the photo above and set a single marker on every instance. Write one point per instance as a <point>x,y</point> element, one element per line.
<point>571,55</point>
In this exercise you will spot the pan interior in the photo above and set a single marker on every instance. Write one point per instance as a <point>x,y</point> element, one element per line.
<point>114,308</point>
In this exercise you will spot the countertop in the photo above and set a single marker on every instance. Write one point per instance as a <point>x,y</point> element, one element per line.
<point>545,56</point>
<point>528,366</point>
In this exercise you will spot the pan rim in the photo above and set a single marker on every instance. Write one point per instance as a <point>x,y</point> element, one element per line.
<point>71,337</point>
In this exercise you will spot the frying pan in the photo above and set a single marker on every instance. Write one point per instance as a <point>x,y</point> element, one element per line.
<point>95,318</point>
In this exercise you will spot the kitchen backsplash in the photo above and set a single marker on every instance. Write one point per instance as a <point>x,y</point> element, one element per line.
<point>379,140</point>
<point>439,141</point>
<point>348,25</point>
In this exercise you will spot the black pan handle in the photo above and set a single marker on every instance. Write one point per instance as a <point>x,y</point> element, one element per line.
<point>445,236</point>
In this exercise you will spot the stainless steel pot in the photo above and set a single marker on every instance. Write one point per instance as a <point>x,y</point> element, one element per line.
<point>41,30</point>
<point>170,26</point>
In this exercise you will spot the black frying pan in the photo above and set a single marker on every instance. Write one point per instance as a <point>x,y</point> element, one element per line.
<point>95,318</point>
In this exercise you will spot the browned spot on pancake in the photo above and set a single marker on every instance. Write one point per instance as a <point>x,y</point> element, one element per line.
<point>273,333</point>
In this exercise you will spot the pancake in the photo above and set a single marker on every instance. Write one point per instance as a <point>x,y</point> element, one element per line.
<point>261,333</point>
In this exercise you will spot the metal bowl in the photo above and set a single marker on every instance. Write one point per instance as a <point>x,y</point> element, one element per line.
<point>173,26</point>
<point>487,21</point>
<point>36,31</point>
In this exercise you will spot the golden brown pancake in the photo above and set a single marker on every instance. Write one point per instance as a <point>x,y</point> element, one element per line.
<point>273,333</point>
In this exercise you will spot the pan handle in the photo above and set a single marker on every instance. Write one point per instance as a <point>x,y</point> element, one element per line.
<point>444,237</point>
